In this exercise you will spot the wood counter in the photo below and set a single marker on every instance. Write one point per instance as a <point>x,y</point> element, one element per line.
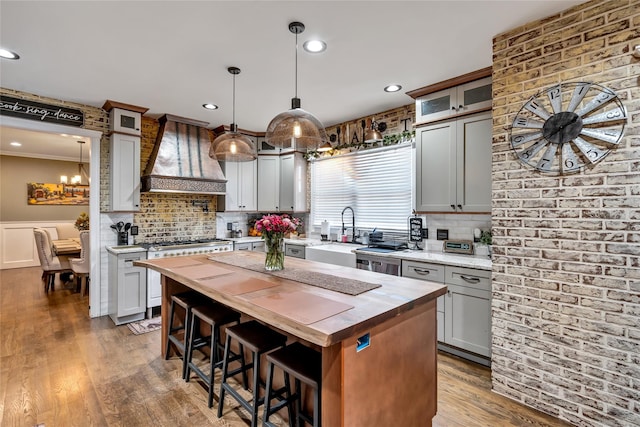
<point>390,382</point>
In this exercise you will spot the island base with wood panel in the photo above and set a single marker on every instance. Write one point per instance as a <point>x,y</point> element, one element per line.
<point>378,358</point>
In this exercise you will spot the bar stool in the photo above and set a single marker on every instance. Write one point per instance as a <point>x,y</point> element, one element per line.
<point>186,300</point>
<point>215,315</point>
<point>260,339</point>
<point>305,365</point>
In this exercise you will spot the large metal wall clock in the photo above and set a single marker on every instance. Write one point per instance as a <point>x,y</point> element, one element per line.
<point>567,126</point>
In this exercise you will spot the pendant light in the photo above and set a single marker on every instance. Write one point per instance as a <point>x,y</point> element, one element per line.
<point>296,127</point>
<point>232,146</point>
<point>375,133</point>
<point>77,179</point>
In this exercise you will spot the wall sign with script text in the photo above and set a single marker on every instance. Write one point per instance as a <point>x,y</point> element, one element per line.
<point>31,110</point>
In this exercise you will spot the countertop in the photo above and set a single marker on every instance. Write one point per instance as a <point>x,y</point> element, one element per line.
<point>125,249</point>
<point>480,262</point>
<point>396,295</point>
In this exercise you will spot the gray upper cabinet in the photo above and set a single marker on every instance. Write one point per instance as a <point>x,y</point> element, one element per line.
<point>463,99</point>
<point>453,165</point>
<point>282,183</point>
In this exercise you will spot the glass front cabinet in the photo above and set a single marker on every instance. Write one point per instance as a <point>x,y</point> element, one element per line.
<point>462,99</point>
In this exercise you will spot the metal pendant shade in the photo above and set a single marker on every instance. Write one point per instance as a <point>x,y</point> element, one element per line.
<point>296,127</point>
<point>233,146</point>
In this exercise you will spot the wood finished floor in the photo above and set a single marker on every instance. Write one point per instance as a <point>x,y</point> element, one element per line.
<point>58,367</point>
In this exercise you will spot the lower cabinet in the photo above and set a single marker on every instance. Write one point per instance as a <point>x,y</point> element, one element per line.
<point>127,287</point>
<point>296,251</point>
<point>464,312</point>
<point>249,246</point>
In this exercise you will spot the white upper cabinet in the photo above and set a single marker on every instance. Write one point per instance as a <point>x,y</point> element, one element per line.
<point>268,183</point>
<point>241,194</point>
<point>453,165</point>
<point>125,172</point>
<point>458,100</point>
<point>282,183</point>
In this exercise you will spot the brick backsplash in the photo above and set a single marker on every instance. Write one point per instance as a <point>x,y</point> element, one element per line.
<point>566,292</point>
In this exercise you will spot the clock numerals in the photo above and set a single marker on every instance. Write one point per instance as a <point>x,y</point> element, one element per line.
<point>536,108</point>
<point>601,99</point>
<point>555,98</point>
<point>578,94</point>
<point>530,152</point>
<point>612,136</point>
<point>607,116</point>
<point>570,162</point>
<point>546,161</point>
<point>590,151</point>
<point>527,123</point>
<point>518,140</point>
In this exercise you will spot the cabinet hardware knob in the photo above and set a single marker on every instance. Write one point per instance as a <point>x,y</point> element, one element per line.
<point>453,108</point>
<point>453,207</point>
<point>460,207</point>
<point>460,107</point>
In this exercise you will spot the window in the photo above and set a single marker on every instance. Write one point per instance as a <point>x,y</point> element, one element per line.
<point>376,183</point>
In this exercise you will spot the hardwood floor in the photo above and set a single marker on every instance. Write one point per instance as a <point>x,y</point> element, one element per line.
<point>58,367</point>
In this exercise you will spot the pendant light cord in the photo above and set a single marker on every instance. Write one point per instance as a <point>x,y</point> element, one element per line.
<point>233,112</point>
<point>296,80</point>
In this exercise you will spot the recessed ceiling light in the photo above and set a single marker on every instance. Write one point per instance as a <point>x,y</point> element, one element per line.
<point>314,46</point>
<point>7,54</point>
<point>16,144</point>
<point>392,88</point>
<point>210,106</point>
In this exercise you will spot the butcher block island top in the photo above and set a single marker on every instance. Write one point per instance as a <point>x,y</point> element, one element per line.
<point>378,347</point>
<point>314,314</point>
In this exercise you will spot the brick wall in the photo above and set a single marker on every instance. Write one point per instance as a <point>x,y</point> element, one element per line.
<point>566,269</point>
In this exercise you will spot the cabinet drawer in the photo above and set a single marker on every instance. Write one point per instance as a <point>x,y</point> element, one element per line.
<point>423,271</point>
<point>242,246</point>
<point>296,251</point>
<point>479,279</point>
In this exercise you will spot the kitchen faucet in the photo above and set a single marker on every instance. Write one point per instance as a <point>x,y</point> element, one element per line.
<point>353,222</point>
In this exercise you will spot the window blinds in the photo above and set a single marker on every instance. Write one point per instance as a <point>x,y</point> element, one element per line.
<point>376,183</point>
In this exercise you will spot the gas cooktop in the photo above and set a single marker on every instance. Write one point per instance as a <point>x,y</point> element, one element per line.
<point>164,245</point>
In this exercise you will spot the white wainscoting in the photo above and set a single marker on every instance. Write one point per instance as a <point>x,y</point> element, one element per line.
<point>18,244</point>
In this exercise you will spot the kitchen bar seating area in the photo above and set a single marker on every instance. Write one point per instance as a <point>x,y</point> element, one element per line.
<point>114,370</point>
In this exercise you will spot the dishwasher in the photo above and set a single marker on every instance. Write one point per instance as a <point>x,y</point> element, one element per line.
<point>379,264</point>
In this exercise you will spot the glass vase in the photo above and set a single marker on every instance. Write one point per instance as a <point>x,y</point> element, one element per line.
<point>274,243</point>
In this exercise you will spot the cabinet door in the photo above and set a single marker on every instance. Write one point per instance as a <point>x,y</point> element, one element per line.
<point>248,175</point>
<point>268,183</point>
<point>242,246</point>
<point>473,96</point>
<point>125,121</point>
<point>232,195</point>
<point>125,172</point>
<point>287,182</point>
<point>436,106</point>
<point>436,168</point>
<point>132,286</point>
<point>258,246</point>
<point>468,319</point>
<point>293,183</point>
<point>473,181</point>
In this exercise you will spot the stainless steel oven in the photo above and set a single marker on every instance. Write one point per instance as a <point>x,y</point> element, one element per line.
<point>377,263</point>
<point>169,249</point>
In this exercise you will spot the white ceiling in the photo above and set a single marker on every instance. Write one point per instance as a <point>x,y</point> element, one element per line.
<point>172,56</point>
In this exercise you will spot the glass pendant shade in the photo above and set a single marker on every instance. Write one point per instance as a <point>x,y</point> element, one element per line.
<point>296,128</point>
<point>233,147</point>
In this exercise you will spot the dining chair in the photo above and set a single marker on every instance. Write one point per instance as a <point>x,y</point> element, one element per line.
<point>81,266</point>
<point>50,263</point>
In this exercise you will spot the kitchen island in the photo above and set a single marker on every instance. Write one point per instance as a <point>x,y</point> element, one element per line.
<point>378,347</point>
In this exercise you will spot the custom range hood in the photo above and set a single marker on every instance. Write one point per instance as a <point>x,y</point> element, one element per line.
<point>180,161</point>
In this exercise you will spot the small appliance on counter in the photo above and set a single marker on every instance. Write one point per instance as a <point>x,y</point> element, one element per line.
<point>458,246</point>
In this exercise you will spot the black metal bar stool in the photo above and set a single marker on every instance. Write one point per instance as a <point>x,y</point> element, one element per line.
<point>305,365</point>
<point>259,339</point>
<point>186,300</point>
<point>215,315</point>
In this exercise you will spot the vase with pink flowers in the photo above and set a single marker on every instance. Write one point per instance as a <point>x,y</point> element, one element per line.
<point>273,229</point>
